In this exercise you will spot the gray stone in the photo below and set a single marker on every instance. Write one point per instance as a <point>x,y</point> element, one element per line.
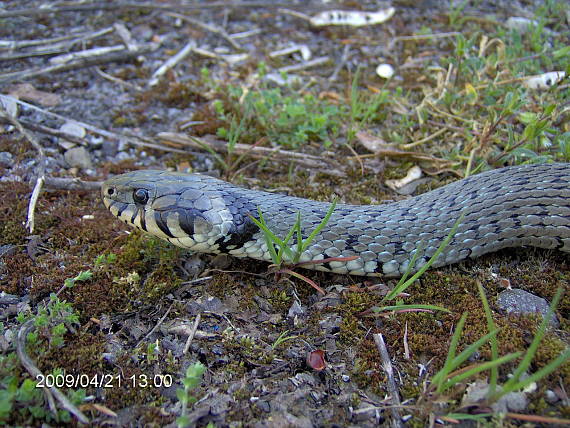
<point>478,391</point>
<point>109,148</point>
<point>295,310</point>
<point>78,157</point>
<point>518,301</point>
<point>6,159</point>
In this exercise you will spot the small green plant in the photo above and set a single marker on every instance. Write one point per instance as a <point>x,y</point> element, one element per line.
<point>404,282</point>
<point>456,13</point>
<point>152,351</point>
<point>516,382</point>
<point>283,116</point>
<point>282,254</point>
<point>282,339</point>
<point>451,375</point>
<point>50,324</point>
<point>191,380</point>
<point>362,107</point>
<point>448,375</point>
<point>81,276</point>
<point>105,259</point>
<point>52,321</point>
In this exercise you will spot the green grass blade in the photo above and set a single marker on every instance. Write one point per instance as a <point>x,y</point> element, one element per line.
<point>525,363</point>
<point>480,368</point>
<point>433,258</point>
<point>271,238</point>
<point>493,340</point>
<point>398,288</point>
<point>211,151</point>
<point>406,307</point>
<point>286,244</point>
<point>471,349</point>
<point>447,368</point>
<point>322,224</point>
<point>297,228</point>
<point>545,371</point>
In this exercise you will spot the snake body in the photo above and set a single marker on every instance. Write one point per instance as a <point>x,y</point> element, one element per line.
<point>525,205</point>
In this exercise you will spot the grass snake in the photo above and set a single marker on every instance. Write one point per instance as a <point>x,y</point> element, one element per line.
<point>526,205</point>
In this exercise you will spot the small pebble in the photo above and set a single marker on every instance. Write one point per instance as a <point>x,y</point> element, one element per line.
<point>6,159</point>
<point>385,71</point>
<point>78,157</point>
<point>518,301</point>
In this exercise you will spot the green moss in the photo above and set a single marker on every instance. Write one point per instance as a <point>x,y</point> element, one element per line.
<point>280,300</point>
<point>352,328</point>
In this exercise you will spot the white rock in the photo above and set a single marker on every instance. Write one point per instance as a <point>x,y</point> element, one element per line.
<point>385,70</point>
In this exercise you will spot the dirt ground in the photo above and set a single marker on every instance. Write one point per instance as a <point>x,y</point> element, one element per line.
<point>148,311</point>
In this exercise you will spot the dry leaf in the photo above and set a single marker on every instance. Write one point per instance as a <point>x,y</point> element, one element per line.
<point>372,143</point>
<point>27,92</point>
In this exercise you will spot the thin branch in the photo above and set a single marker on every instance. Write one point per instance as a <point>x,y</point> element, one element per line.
<point>171,62</point>
<point>152,6</point>
<point>59,183</point>
<point>36,373</point>
<point>41,168</point>
<point>160,321</point>
<point>130,139</point>
<point>51,131</point>
<point>192,333</point>
<point>13,45</point>
<point>208,27</point>
<point>392,388</point>
<point>81,59</point>
<point>117,80</point>
<point>304,159</point>
<point>305,64</point>
<point>341,63</point>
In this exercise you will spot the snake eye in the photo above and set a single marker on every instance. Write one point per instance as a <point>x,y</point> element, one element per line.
<point>111,191</point>
<point>140,196</point>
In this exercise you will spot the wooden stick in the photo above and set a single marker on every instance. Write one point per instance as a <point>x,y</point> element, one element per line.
<point>392,389</point>
<point>41,168</point>
<point>36,373</point>
<point>192,333</point>
<point>255,152</point>
<point>154,6</point>
<point>82,59</point>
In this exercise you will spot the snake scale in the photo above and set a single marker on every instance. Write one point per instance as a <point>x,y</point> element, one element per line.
<point>516,206</point>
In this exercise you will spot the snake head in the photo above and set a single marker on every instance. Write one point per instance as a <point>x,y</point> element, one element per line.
<point>188,210</point>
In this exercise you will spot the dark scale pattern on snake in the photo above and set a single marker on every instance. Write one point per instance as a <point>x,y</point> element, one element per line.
<point>525,205</point>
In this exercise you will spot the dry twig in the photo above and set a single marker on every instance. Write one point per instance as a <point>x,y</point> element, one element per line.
<point>304,159</point>
<point>171,62</point>
<point>50,391</point>
<point>130,139</point>
<point>192,333</point>
<point>160,321</point>
<point>77,7</point>
<point>59,183</point>
<point>41,161</point>
<point>391,384</point>
<point>209,27</point>
<point>47,46</point>
<point>82,59</point>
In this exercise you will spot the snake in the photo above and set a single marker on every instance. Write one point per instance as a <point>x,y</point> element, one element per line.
<point>514,206</point>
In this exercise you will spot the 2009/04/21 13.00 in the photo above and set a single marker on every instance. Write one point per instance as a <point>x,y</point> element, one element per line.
<point>69,380</point>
